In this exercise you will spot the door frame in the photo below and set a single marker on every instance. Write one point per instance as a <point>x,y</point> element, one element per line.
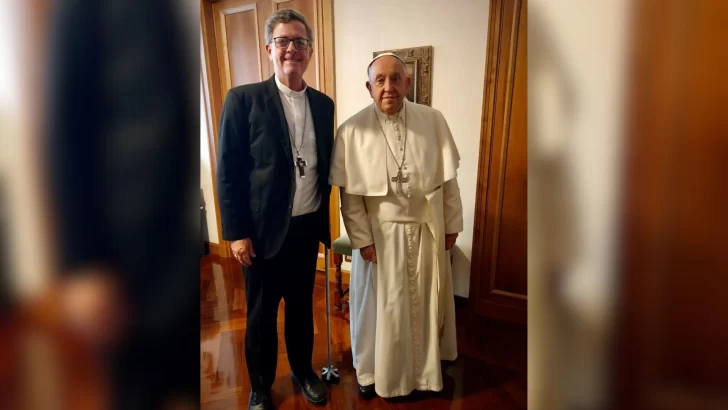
<point>500,305</point>
<point>213,95</point>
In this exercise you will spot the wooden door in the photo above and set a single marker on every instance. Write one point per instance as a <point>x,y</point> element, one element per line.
<point>233,33</point>
<point>498,273</point>
<point>673,320</point>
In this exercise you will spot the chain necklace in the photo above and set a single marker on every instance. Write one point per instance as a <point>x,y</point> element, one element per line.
<point>399,179</point>
<point>300,162</point>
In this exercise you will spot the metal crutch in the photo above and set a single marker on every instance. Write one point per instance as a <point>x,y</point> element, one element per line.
<point>329,374</point>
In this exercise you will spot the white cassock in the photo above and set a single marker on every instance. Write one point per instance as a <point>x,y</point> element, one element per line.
<point>402,309</point>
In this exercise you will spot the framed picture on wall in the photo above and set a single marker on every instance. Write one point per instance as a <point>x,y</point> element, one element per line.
<point>418,61</point>
<point>412,73</point>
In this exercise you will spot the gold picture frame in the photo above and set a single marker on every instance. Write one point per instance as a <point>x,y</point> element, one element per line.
<point>418,61</point>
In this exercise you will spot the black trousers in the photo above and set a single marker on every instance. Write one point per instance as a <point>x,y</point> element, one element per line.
<point>290,276</point>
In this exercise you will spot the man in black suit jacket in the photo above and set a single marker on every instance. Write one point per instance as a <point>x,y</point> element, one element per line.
<point>275,145</point>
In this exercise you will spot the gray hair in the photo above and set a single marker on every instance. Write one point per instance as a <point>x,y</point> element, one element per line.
<point>285,16</point>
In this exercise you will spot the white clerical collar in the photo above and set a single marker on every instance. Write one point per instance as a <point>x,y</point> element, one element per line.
<point>392,118</point>
<point>288,92</point>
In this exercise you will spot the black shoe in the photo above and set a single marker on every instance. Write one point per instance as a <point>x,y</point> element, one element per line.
<point>367,392</point>
<point>260,401</point>
<point>312,387</point>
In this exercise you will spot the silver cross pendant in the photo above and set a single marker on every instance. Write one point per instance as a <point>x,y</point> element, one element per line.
<point>399,179</point>
<point>301,164</point>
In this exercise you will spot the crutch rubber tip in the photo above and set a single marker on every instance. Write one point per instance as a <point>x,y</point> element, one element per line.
<point>330,375</point>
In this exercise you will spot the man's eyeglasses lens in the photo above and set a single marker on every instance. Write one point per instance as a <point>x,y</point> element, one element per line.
<point>299,43</point>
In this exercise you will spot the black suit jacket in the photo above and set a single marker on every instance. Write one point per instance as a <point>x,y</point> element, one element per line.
<point>256,178</point>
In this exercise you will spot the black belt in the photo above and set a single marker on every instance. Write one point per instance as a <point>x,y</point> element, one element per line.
<point>295,220</point>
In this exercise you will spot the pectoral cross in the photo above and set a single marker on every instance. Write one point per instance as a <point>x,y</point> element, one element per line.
<point>301,163</point>
<point>399,179</point>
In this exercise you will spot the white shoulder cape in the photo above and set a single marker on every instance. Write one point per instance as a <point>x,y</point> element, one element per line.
<point>359,158</point>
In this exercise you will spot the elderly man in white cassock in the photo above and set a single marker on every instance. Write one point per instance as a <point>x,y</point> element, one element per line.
<point>396,164</point>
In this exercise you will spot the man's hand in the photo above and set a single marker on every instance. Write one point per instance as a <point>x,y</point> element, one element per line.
<point>450,239</point>
<point>369,253</point>
<point>93,307</point>
<point>243,251</point>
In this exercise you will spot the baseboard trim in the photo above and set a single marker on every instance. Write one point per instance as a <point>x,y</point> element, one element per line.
<point>345,274</point>
<point>332,276</point>
<point>215,249</point>
<point>461,302</point>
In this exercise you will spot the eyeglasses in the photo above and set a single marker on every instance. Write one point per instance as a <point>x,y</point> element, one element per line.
<point>299,43</point>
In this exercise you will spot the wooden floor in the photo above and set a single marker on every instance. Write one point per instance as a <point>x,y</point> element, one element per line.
<point>490,372</point>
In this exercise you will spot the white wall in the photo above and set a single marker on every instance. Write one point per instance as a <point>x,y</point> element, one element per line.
<point>206,175</point>
<point>457,31</point>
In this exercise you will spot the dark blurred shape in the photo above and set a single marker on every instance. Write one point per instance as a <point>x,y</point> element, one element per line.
<point>6,299</point>
<point>673,314</point>
<point>122,154</point>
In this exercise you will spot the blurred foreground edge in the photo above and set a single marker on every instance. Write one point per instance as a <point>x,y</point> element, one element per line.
<point>123,167</point>
<point>672,327</point>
